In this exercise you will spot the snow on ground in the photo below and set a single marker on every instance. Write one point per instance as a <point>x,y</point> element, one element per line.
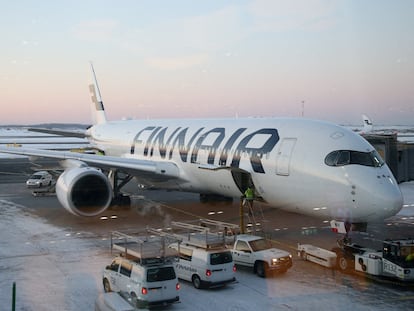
<point>58,269</point>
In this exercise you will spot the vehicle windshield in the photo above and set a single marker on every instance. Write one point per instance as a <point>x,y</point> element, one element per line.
<point>402,255</point>
<point>260,245</point>
<point>35,177</point>
<point>220,258</point>
<point>349,157</point>
<point>160,274</point>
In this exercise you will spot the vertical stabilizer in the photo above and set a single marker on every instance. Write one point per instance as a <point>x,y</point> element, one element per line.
<point>367,124</point>
<point>98,111</point>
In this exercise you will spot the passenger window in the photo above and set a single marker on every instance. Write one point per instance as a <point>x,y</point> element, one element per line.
<point>126,269</point>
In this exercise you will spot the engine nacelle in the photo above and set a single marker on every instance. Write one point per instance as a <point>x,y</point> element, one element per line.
<point>84,191</point>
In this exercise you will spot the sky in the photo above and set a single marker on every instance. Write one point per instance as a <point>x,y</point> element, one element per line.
<point>323,59</point>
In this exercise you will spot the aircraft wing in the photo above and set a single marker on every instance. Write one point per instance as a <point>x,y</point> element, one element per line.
<point>80,134</point>
<point>136,167</point>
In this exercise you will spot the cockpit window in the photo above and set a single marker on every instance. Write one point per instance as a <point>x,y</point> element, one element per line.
<point>347,157</point>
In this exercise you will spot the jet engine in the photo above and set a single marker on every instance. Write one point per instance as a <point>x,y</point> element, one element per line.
<point>84,191</point>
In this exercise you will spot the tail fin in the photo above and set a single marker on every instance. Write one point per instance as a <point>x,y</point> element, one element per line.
<point>367,124</point>
<point>98,111</point>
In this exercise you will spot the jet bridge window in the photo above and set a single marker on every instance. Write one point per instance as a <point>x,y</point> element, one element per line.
<point>348,157</point>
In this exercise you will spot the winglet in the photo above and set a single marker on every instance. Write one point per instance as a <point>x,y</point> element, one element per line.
<point>98,111</point>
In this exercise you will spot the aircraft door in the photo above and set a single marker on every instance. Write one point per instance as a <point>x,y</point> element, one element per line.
<point>284,155</point>
<point>242,179</point>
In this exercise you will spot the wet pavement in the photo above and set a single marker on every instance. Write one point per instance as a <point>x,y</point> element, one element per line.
<point>56,259</point>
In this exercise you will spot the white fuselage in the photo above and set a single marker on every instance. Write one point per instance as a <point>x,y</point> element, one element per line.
<point>284,157</point>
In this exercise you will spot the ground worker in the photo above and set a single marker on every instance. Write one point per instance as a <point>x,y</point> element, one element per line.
<point>249,197</point>
<point>249,194</point>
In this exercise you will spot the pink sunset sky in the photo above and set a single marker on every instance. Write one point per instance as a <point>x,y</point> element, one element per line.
<point>191,59</point>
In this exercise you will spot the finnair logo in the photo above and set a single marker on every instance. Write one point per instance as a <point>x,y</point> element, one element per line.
<point>219,144</point>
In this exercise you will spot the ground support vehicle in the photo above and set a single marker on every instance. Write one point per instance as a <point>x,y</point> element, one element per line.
<point>258,253</point>
<point>317,255</point>
<point>345,255</point>
<point>39,179</point>
<point>145,270</point>
<point>46,191</point>
<point>204,258</point>
<point>395,260</point>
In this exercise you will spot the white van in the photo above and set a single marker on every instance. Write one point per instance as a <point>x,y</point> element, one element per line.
<point>204,267</point>
<point>39,179</point>
<point>150,284</point>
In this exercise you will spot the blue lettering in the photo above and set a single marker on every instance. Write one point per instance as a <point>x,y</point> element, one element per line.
<point>177,139</point>
<point>228,145</point>
<point>256,153</point>
<point>149,140</point>
<point>162,147</point>
<point>138,141</point>
<point>180,139</point>
<point>199,145</point>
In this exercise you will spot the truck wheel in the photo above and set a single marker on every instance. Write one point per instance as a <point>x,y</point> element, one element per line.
<point>106,286</point>
<point>261,268</point>
<point>196,281</point>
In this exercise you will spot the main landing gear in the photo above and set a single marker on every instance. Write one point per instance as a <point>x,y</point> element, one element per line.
<point>119,180</point>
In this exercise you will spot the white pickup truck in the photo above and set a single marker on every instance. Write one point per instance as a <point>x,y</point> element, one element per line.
<point>258,253</point>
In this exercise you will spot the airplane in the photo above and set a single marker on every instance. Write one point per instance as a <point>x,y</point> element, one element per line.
<point>299,165</point>
<point>367,124</point>
<point>403,133</point>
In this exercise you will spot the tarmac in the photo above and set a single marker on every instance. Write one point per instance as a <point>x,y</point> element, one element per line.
<point>56,258</point>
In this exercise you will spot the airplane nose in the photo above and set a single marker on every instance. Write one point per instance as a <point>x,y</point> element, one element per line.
<point>393,201</point>
<point>387,199</point>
